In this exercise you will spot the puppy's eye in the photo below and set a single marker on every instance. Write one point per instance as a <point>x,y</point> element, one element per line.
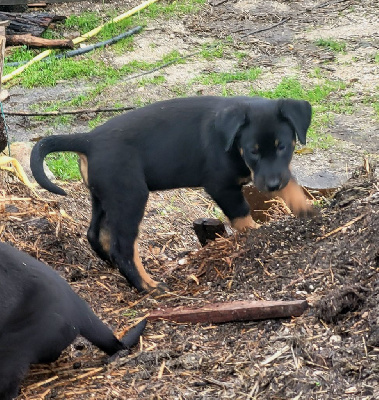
<point>255,153</point>
<point>281,147</point>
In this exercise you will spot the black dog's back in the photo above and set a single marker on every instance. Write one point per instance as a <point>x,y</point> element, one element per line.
<point>40,315</point>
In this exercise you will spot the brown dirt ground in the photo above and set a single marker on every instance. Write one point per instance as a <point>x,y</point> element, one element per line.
<point>331,351</point>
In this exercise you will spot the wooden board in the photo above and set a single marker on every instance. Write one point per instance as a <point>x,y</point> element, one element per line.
<point>232,311</point>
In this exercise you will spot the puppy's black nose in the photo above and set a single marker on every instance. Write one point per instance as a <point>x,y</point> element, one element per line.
<point>273,184</point>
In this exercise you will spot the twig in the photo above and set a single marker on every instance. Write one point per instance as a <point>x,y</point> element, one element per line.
<point>341,227</point>
<point>268,28</point>
<point>268,360</point>
<point>219,3</point>
<point>219,383</point>
<point>54,113</point>
<point>328,3</point>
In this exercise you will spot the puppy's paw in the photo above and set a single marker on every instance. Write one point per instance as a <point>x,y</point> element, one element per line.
<point>156,289</point>
<point>296,200</point>
<point>309,212</point>
<point>302,208</point>
<point>244,223</point>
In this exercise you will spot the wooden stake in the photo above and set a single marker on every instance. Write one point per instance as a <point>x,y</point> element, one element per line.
<point>232,311</point>
<point>34,41</point>
<point>3,24</point>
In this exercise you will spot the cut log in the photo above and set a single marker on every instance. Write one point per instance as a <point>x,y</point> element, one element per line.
<point>34,24</point>
<point>34,41</point>
<point>208,229</point>
<point>232,311</point>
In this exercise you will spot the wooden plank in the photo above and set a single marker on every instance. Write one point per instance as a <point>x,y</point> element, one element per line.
<point>232,311</point>
<point>16,2</point>
<point>3,25</point>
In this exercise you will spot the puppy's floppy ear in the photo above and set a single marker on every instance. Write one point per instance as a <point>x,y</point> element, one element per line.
<point>229,121</point>
<point>299,114</point>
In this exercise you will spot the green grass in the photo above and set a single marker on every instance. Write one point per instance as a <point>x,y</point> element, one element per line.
<point>84,22</point>
<point>88,66</point>
<point>155,80</point>
<point>334,45</point>
<point>221,78</point>
<point>212,51</point>
<point>64,166</point>
<point>322,97</point>
<point>172,9</point>
<point>19,53</point>
<point>373,101</point>
<point>50,73</point>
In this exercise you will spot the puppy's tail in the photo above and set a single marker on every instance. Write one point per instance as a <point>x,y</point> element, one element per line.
<point>132,337</point>
<point>50,144</point>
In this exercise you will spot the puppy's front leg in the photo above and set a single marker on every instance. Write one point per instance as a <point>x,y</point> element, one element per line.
<point>296,200</point>
<point>233,204</point>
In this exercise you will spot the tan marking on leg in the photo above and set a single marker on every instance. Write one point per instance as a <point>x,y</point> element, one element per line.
<point>105,239</point>
<point>83,166</point>
<point>295,198</point>
<point>148,283</point>
<point>243,223</point>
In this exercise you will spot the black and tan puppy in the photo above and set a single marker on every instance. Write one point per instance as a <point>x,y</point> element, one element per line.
<point>215,142</point>
<point>40,315</point>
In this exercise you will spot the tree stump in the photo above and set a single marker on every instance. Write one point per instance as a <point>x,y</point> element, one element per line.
<point>208,229</point>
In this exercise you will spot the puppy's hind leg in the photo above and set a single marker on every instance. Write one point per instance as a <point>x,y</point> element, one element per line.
<point>123,199</point>
<point>98,233</point>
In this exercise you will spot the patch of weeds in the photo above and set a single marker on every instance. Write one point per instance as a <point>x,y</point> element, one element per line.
<point>64,166</point>
<point>173,8</point>
<point>221,78</point>
<point>179,90</point>
<point>376,58</point>
<point>19,53</point>
<point>51,34</point>
<point>240,55</point>
<point>227,91</point>
<point>316,73</point>
<point>97,121</point>
<point>373,101</point>
<point>334,45</point>
<point>139,102</point>
<point>173,56</point>
<point>49,73</point>
<point>291,87</point>
<point>375,105</point>
<point>84,22</point>
<point>211,51</point>
<point>345,105</point>
<point>156,80</point>
<point>79,100</point>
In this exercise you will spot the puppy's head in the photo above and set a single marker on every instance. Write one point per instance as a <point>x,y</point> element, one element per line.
<point>265,132</point>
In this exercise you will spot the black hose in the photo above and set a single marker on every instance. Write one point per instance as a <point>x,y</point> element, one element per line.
<point>73,53</point>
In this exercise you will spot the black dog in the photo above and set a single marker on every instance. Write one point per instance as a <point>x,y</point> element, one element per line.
<point>214,142</point>
<point>40,315</point>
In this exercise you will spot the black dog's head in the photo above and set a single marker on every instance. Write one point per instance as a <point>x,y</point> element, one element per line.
<point>265,133</point>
